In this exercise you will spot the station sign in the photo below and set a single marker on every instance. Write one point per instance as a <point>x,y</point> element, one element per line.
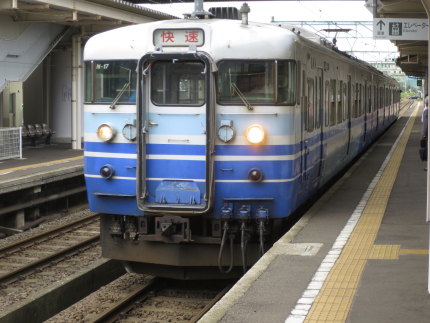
<point>400,28</point>
<point>178,37</point>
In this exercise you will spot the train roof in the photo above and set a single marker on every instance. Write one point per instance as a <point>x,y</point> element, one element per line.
<point>222,37</point>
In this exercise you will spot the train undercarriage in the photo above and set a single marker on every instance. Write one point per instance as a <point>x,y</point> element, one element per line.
<point>186,247</point>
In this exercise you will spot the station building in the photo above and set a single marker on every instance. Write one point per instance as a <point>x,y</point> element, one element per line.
<point>41,67</point>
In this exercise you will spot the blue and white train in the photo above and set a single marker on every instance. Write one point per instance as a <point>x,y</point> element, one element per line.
<point>202,136</point>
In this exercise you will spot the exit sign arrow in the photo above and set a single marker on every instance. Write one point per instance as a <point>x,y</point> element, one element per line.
<point>381,24</point>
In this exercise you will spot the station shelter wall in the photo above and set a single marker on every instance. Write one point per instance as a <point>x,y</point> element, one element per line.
<point>11,105</point>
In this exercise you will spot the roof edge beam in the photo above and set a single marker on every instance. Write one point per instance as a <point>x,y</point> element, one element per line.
<point>15,5</point>
<point>98,9</point>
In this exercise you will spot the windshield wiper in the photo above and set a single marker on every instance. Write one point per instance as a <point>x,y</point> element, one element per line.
<point>235,89</point>
<point>125,87</point>
<point>120,93</point>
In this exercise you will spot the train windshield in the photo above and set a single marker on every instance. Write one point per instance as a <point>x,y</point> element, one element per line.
<point>258,82</point>
<point>107,81</point>
<point>178,83</point>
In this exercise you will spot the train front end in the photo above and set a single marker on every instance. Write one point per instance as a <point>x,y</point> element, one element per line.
<point>211,186</point>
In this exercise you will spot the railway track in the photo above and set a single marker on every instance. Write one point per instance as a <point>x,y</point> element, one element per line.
<point>140,298</point>
<point>36,273</point>
<point>405,106</point>
<point>27,255</point>
<point>45,261</point>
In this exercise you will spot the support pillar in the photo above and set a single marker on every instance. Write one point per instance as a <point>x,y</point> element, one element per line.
<point>19,219</point>
<point>77,64</point>
<point>426,4</point>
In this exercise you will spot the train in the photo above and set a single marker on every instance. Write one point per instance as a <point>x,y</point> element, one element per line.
<point>203,135</point>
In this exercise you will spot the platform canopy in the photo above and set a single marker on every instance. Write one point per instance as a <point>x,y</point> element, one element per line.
<point>79,12</point>
<point>30,29</point>
<point>413,59</point>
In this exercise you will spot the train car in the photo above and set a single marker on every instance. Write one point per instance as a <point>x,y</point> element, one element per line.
<point>202,136</point>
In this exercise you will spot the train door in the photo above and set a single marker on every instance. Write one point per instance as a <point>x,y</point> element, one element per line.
<point>366,117</point>
<point>376,106</point>
<point>175,170</point>
<point>311,130</point>
<point>304,141</point>
<point>319,119</point>
<point>310,152</point>
<point>349,113</point>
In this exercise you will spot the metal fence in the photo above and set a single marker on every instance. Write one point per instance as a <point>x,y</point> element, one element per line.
<point>10,143</point>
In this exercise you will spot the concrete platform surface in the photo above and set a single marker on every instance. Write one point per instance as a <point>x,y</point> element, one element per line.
<point>40,165</point>
<point>360,254</point>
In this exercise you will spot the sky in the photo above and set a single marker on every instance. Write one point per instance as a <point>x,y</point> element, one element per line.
<point>334,11</point>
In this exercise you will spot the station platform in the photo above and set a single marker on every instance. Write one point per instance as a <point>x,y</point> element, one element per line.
<point>360,254</point>
<point>40,165</point>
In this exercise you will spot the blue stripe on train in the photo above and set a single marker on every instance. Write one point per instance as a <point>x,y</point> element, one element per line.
<point>110,147</point>
<point>277,197</point>
<point>166,149</point>
<point>238,170</point>
<point>114,205</point>
<point>123,167</point>
<point>161,168</point>
<point>188,169</point>
<point>111,186</point>
<point>251,150</point>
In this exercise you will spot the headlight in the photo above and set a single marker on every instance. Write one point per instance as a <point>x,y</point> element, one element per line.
<point>255,134</point>
<point>105,132</point>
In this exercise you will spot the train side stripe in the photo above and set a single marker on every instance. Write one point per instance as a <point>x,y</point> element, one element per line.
<point>196,180</point>
<point>111,147</point>
<point>113,177</point>
<point>192,157</point>
<point>256,158</point>
<point>109,155</point>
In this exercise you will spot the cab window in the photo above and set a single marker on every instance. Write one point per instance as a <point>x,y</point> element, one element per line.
<point>106,81</point>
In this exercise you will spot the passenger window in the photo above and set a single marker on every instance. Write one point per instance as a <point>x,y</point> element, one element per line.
<point>360,100</point>
<point>310,106</point>
<point>332,106</point>
<point>355,107</point>
<point>318,101</point>
<point>286,82</point>
<point>340,103</point>
<point>327,103</point>
<point>369,99</point>
<point>344,100</point>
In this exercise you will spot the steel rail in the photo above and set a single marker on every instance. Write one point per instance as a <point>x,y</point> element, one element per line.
<point>111,314</point>
<point>211,303</point>
<point>21,244</point>
<point>57,255</point>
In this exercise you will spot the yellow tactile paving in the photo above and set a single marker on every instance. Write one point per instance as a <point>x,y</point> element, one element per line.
<point>53,162</point>
<point>385,252</point>
<point>346,273</point>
